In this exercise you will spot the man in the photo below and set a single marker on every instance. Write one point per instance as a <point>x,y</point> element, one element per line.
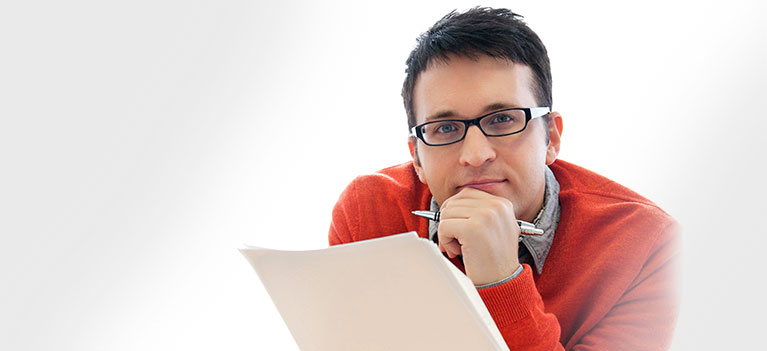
<point>484,143</point>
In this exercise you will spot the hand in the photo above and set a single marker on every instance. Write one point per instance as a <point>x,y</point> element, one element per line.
<point>482,227</point>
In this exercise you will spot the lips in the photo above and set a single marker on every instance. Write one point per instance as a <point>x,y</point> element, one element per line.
<point>486,185</point>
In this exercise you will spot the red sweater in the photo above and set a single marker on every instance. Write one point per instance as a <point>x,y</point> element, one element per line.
<point>609,281</point>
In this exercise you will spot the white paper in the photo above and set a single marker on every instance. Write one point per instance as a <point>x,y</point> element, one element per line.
<point>392,293</point>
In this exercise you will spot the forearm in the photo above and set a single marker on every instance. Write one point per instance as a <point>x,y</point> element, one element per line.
<point>641,317</point>
<point>519,314</point>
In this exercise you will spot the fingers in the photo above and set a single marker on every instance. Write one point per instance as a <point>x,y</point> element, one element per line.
<point>479,212</point>
<point>451,233</point>
<point>451,247</point>
<point>473,198</point>
<point>470,213</point>
<point>481,227</point>
<point>447,236</point>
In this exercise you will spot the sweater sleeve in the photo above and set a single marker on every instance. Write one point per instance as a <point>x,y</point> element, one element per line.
<point>642,319</point>
<point>645,316</point>
<point>518,312</point>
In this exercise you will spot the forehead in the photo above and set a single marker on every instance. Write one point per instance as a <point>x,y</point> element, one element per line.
<point>467,87</point>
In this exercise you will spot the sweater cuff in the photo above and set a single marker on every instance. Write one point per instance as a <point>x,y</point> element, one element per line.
<point>504,280</point>
<point>512,301</point>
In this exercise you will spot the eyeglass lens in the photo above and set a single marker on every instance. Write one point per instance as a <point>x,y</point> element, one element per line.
<point>496,124</point>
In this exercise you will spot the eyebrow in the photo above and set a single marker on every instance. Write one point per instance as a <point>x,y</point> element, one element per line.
<point>489,108</point>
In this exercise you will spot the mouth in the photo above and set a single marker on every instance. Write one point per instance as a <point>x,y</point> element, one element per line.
<point>486,185</point>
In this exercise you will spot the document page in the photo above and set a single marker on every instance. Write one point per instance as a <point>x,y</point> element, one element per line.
<point>392,293</point>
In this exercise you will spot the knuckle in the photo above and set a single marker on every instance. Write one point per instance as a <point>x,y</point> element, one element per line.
<point>506,205</point>
<point>444,230</point>
<point>500,205</point>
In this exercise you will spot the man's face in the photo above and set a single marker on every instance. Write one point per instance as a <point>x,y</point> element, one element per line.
<point>511,166</point>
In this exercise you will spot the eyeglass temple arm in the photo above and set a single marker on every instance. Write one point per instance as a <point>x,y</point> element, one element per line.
<point>539,111</point>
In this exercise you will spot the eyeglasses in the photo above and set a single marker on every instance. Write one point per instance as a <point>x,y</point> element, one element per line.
<point>494,124</point>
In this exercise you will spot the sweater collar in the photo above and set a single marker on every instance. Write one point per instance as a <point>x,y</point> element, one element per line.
<point>547,219</point>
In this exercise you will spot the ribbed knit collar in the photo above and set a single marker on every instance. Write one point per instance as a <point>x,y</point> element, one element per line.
<point>547,219</point>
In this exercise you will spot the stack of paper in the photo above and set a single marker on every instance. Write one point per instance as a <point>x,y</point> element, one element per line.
<point>392,293</point>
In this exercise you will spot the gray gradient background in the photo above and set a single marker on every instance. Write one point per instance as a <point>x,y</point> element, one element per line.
<point>142,142</point>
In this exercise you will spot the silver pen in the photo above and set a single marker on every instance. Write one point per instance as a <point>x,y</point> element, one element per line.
<point>526,228</point>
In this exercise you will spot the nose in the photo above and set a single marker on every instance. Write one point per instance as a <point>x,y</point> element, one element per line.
<point>476,149</point>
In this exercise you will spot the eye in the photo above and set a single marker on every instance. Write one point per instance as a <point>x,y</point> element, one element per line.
<point>502,118</point>
<point>445,128</point>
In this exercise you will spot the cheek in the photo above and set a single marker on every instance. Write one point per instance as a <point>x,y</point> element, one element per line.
<point>537,141</point>
<point>433,167</point>
<point>526,158</point>
<point>436,168</point>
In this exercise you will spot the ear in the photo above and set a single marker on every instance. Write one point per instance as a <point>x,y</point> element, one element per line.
<point>555,137</point>
<point>416,161</point>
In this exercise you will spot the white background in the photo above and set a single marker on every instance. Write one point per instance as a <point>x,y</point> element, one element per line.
<point>142,142</point>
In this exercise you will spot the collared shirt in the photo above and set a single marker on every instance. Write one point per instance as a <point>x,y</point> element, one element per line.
<point>534,248</point>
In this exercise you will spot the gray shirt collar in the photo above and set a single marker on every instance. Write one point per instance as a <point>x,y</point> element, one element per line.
<point>547,219</point>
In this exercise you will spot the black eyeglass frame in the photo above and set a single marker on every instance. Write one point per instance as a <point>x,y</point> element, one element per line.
<point>530,113</point>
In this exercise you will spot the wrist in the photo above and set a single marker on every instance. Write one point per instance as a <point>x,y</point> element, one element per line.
<point>485,273</point>
<point>516,273</point>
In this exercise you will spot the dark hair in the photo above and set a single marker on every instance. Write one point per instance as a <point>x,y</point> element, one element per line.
<point>498,33</point>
